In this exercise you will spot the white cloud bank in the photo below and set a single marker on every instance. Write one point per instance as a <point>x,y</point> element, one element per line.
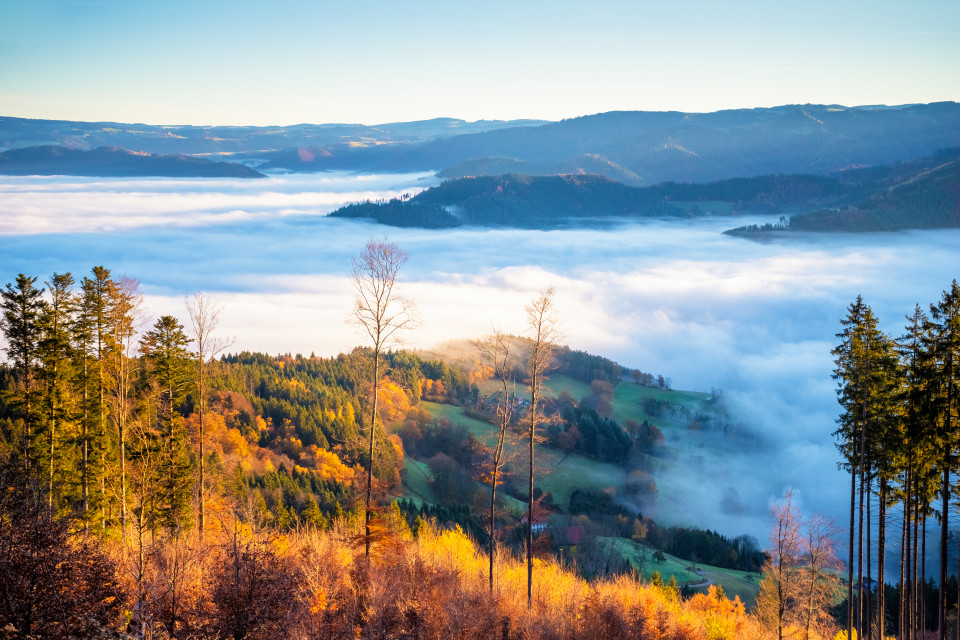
<point>671,297</point>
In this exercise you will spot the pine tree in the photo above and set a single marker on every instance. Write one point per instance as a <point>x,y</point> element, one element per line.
<point>22,309</point>
<point>164,349</point>
<point>867,375</point>
<point>98,294</point>
<point>56,354</point>
<point>943,346</point>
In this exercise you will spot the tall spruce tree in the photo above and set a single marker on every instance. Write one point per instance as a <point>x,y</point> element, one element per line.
<point>866,374</point>
<point>943,347</point>
<point>56,354</point>
<point>23,306</point>
<point>98,294</point>
<point>164,349</point>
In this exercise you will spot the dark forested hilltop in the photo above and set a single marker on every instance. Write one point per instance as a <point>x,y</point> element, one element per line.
<point>918,194</point>
<point>922,195</point>
<point>513,201</point>
<point>114,162</point>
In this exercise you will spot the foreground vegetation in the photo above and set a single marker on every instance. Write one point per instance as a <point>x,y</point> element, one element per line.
<point>154,489</point>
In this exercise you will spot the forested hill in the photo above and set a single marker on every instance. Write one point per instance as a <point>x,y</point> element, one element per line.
<point>918,194</point>
<point>114,162</point>
<point>513,201</point>
<point>928,197</point>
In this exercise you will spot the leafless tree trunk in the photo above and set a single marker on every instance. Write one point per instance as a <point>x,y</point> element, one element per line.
<point>383,314</point>
<point>204,318</point>
<point>819,578</point>
<point>496,354</point>
<point>126,316</point>
<point>544,331</point>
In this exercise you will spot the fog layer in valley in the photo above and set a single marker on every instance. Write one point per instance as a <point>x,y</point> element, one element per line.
<point>674,297</point>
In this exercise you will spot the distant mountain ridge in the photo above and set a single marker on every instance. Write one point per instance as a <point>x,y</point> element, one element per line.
<point>114,162</point>
<point>638,148</point>
<point>686,147</point>
<point>16,133</point>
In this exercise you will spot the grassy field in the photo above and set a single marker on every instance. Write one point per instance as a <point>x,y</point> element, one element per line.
<point>556,472</point>
<point>641,559</point>
<point>416,482</point>
<point>734,583</point>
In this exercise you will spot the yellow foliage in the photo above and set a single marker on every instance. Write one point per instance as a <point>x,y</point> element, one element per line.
<point>280,544</point>
<point>330,467</point>
<point>398,447</point>
<point>393,402</point>
<point>235,444</point>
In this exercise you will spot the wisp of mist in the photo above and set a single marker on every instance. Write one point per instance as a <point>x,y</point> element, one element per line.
<point>671,297</point>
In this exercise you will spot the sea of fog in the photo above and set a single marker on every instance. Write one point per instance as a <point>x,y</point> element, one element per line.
<point>671,297</point>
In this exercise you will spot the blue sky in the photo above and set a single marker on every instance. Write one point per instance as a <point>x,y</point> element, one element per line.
<point>284,62</point>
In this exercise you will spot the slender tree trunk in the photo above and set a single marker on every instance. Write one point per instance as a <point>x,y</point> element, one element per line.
<point>922,591</point>
<point>881,562</point>
<point>904,554</point>
<point>860,616</point>
<point>868,624</point>
<point>373,422</point>
<point>945,507</point>
<point>493,522</point>
<point>85,471</point>
<point>200,393</point>
<point>533,427</point>
<point>53,431</point>
<point>853,497</point>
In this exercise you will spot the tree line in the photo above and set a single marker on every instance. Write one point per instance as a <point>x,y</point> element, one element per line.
<point>899,441</point>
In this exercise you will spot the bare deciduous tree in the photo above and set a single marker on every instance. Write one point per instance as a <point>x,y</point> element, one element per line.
<point>800,578</point>
<point>126,316</point>
<point>204,319</point>
<point>495,355</point>
<point>779,586</point>
<point>819,581</point>
<point>544,333</point>
<point>383,314</point>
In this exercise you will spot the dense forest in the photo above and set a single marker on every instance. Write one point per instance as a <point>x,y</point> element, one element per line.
<point>158,485</point>
<point>921,194</point>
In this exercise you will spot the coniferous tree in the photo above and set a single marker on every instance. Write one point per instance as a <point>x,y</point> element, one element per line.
<point>22,309</point>
<point>943,345</point>
<point>866,371</point>
<point>56,354</point>
<point>98,293</point>
<point>917,475</point>
<point>164,348</point>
